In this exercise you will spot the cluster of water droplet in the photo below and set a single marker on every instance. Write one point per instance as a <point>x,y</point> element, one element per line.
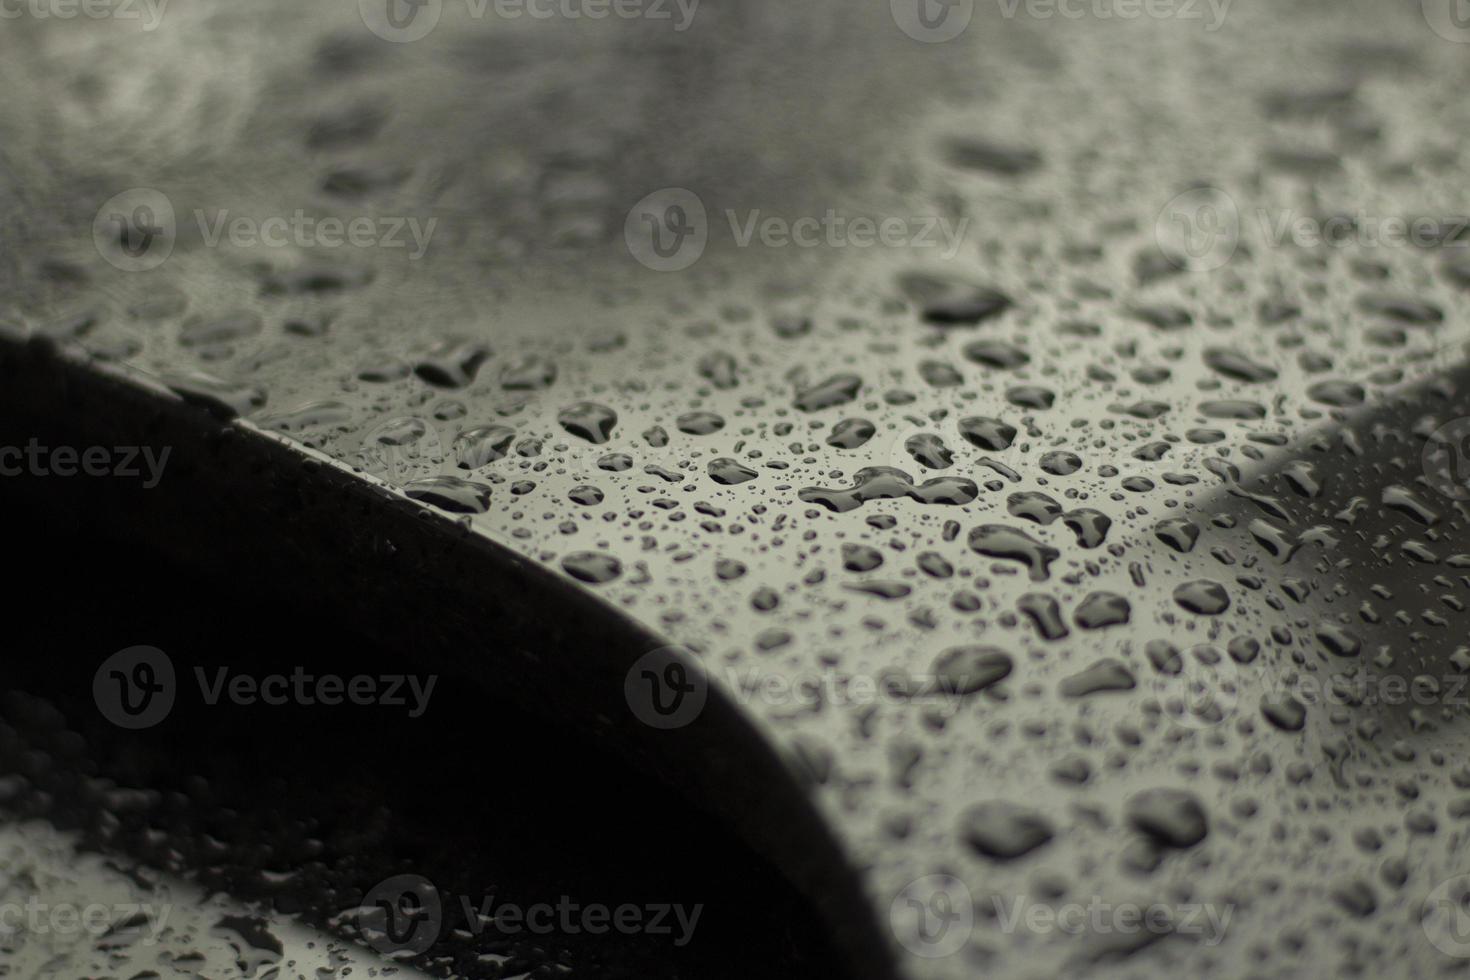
<point>1158,535</point>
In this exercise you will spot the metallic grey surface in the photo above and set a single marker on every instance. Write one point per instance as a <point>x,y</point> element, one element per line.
<point>530,143</point>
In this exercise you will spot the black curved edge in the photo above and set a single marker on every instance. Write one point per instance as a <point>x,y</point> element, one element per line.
<point>244,503</point>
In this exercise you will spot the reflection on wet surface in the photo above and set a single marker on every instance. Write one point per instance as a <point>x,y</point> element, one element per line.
<point>532,853</point>
<point>71,915</point>
<point>1147,394</point>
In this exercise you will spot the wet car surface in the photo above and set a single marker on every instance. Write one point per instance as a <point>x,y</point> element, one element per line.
<point>1035,452</point>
